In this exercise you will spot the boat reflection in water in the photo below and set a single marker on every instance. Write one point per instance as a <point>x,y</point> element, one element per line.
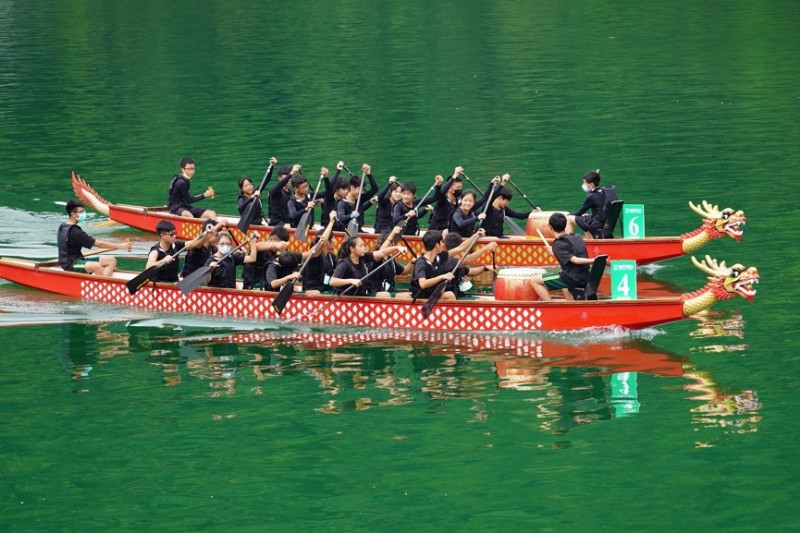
<point>569,381</point>
<point>563,381</point>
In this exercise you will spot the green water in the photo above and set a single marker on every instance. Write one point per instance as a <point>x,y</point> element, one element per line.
<point>117,419</point>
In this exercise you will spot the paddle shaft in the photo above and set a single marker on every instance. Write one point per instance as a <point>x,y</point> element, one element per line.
<point>523,194</point>
<point>287,289</point>
<point>90,254</point>
<point>546,244</point>
<point>195,279</point>
<point>302,226</point>
<point>347,289</point>
<point>249,212</point>
<point>439,290</point>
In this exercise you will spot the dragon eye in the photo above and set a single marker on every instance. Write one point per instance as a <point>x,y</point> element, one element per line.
<point>726,215</point>
<point>735,272</point>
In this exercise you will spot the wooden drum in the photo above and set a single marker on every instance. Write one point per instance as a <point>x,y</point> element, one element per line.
<point>515,284</point>
<point>538,220</point>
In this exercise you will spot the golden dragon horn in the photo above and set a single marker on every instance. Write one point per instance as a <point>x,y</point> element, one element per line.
<point>711,266</point>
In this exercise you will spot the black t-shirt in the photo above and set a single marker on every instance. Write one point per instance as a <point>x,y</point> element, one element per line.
<point>564,248</point>
<point>224,274</point>
<point>425,269</point>
<point>168,272</point>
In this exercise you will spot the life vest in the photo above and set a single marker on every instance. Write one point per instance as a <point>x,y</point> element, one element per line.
<point>64,259</point>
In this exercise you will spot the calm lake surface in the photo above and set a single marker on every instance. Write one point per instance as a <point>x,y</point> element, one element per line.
<point>119,419</point>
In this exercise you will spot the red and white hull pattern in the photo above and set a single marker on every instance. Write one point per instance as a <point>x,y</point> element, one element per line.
<point>481,315</point>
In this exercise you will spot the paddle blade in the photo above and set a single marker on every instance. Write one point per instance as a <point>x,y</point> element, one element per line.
<point>247,215</point>
<point>283,297</point>
<point>141,279</point>
<point>194,280</point>
<point>302,228</point>
<point>434,299</point>
<point>352,227</point>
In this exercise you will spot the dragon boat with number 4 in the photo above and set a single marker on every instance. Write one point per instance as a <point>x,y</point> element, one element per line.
<point>528,250</point>
<point>481,314</point>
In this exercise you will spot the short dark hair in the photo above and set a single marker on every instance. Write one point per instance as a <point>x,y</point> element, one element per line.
<point>504,192</point>
<point>558,221</point>
<point>340,183</point>
<point>355,181</point>
<point>297,180</point>
<point>593,176</point>
<point>280,232</point>
<point>289,259</point>
<point>452,240</point>
<point>285,170</point>
<point>409,186</point>
<point>187,161</point>
<point>431,239</point>
<point>72,206</point>
<point>164,226</point>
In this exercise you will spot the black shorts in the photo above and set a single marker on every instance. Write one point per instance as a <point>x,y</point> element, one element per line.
<point>197,212</point>
<point>587,223</point>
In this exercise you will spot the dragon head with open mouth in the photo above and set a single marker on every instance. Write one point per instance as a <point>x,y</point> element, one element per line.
<point>719,223</point>
<point>726,282</point>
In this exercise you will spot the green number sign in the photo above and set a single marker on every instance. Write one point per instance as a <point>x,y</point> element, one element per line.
<point>633,220</point>
<point>623,280</point>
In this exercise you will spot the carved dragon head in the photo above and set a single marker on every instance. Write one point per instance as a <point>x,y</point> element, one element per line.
<point>720,223</point>
<point>727,281</point>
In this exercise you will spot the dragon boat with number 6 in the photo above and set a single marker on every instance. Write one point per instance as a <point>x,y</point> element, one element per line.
<point>528,250</point>
<point>482,314</point>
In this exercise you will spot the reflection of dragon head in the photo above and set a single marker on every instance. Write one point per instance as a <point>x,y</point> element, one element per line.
<point>719,223</point>
<point>723,283</point>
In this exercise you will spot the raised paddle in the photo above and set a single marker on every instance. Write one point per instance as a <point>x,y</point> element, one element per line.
<point>523,194</point>
<point>287,289</point>
<point>141,279</point>
<point>472,183</point>
<point>352,226</point>
<point>302,227</point>
<point>439,290</point>
<point>347,289</point>
<point>198,277</point>
<point>255,204</point>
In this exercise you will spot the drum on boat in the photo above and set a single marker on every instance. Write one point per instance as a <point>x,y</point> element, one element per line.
<point>515,284</point>
<point>539,220</point>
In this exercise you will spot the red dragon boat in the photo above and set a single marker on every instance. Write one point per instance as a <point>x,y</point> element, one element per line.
<point>512,251</point>
<point>483,314</point>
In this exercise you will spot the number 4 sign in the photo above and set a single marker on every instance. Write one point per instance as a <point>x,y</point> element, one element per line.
<point>633,221</point>
<point>623,280</point>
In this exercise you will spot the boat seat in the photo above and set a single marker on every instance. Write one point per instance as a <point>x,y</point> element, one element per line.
<point>589,292</point>
<point>613,211</point>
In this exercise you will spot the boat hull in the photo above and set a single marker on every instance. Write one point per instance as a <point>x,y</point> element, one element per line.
<point>462,315</point>
<point>511,251</point>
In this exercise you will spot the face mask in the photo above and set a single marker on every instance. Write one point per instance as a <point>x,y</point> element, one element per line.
<point>224,248</point>
<point>585,187</point>
<point>82,217</point>
<point>457,193</point>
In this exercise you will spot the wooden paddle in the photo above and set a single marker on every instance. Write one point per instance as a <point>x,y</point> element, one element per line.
<point>250,211</point>
<point>546,244</point>
<point>287,289</point>
<point>347,289</point>
<point>56,261</point>
<point>198,277</point>
<point>352,226</point>
<point>302,227</point>
<point>523,194</point>
<point>439,290</point>
<point>141,279</point>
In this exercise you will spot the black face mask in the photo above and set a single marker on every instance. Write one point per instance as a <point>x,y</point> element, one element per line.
<point>457,193</point>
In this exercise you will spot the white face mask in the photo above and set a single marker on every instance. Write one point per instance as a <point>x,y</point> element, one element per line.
<point>585,187</point>
<point>82,217</point>
<point>224,248</point>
